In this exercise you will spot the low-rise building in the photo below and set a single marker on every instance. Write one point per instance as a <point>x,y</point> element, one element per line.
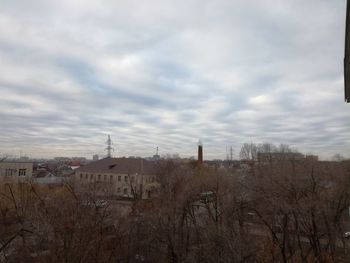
<point>17,170</point>
<point>127,177</point>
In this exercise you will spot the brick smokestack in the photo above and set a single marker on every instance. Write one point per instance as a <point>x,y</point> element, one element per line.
<point>200,153</point>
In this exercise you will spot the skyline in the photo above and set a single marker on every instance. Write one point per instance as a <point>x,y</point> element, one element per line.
<point>170,73</point>
<point>109,152</point>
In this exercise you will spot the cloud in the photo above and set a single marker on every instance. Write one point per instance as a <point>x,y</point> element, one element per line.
<point>167,73</point>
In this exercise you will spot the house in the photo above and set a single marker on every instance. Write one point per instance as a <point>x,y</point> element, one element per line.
<point>123,177</point>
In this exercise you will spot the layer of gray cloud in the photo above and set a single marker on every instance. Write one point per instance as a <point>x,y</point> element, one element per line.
<point>167,73</point>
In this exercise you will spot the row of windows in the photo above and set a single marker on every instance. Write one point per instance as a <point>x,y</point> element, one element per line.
<point>10,172</point>
<point>106,177</point>
<point>125,190</point>
<point>99,177</point>
<point>150,180</point>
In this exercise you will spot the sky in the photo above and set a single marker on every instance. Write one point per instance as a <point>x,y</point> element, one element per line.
<point>169,73</point>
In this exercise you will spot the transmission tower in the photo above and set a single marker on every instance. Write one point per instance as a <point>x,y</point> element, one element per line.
<point>109,147</point>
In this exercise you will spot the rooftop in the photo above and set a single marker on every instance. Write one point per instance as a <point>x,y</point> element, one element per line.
<point>120,166</point>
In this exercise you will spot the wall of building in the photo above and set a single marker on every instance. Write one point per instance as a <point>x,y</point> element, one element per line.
<point>16,169</point>
<point>117,184</point>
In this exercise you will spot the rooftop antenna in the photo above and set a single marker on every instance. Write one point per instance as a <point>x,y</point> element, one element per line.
<point>109,147</point>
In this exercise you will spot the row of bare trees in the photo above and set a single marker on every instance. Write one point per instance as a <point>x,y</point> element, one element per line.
<point>285,211</point>
<point>251,151</point>
<point>289,211</point>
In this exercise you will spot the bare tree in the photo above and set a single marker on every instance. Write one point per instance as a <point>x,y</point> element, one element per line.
<point>249,151</point>
<point>338,157</point>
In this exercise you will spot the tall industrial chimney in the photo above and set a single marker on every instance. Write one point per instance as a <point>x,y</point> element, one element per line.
<point>200,153</point>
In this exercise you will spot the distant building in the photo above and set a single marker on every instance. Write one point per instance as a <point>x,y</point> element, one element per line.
<point>62,159</point>
<point>284,156</point>
<point>16,169</point>
<point>126,177</point>
<point>42,176</point>
<point>81,160</point>
<point>95,157</point>
<point>24,159</point>
<point>279,156</point>
<point>311,158</point>
<point>156,157</point>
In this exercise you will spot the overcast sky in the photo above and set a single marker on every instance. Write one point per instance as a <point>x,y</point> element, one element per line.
<point>168,73</point>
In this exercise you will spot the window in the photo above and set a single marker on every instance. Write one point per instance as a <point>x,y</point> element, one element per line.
<point>119,178</point>
<point>91,177</point>
<point>86,176</point>
<point>125,191</point>
<point>22,172</point>
<point>110,178</point>
<point>132,179</point>
<point>119,190</point>
<point>9,172</point>
<point>81,176</point>
<point>125,178</point>
<point>99,177</point>
<point>105,177</point>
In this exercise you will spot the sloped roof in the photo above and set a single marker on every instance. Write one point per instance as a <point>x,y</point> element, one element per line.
<point>120,166</point>
<point>40,173</point>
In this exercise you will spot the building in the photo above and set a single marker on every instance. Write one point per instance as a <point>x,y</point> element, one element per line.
<point>16,170</point>
<point>126,177</point>
<point>265,157</point>
<point>42,176</point>
<point>95,157</point>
